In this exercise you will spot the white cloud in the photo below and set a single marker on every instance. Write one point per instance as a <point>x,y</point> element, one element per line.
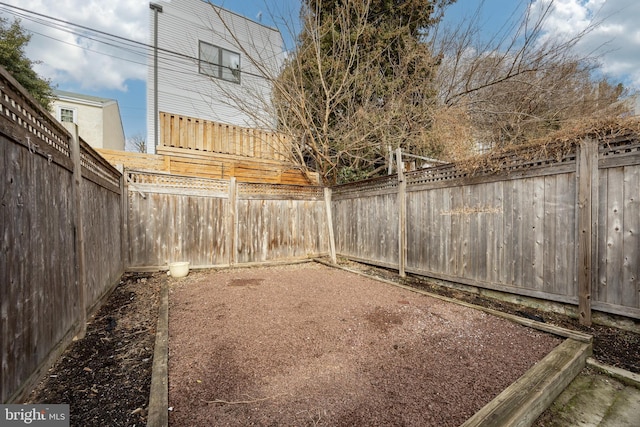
<point>615,40</point>
<point>86,61</point>
<point>92,65</point>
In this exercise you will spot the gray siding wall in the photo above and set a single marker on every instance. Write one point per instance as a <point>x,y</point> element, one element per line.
<point>183,90</point>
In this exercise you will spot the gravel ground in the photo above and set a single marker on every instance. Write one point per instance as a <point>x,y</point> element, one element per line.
<point>311,345</point>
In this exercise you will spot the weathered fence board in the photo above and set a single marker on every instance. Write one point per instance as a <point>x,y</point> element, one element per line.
<point>279,223</point>
<point>365,220</point>
<point>366,228</point>
<point>102,220</point>
<point>37,266</point>
<point>214,222</point>
<point>41,278</point>
<point>630,292</point>
<point>525,230</point>
<point>462,232</point>
<point>166,228</point>
<point>618,281</point>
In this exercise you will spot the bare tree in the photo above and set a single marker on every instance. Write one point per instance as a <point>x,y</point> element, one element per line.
<point>520,83</point>
<point>343,100</point>
<point>137,143</point>
<point>352,88</point>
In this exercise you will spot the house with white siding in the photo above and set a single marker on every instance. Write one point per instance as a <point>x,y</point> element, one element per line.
<point>210,64</point>
<point>98,119</point>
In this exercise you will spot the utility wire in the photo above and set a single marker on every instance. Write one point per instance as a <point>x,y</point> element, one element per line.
<point>127,44</point>
<point>50,18</point>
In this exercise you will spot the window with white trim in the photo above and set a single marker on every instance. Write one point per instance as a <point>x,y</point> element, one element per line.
<point>219,63</point>
<point>67,114</point>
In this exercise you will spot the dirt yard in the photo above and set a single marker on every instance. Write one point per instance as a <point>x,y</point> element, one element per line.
<point>106,376</point>
<point>310,345</point>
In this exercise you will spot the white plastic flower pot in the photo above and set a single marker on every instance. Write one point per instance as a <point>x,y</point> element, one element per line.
<point>178,269</point>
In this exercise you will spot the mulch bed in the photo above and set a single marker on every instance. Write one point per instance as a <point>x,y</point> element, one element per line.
<point>105,377</point>
<point>118,348</point>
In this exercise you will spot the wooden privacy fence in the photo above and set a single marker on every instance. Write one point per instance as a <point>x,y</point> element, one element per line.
<point>213,223</point>
<point>61,216</point>
<point>561,229</point>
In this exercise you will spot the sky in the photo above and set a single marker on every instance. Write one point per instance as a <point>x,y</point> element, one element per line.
<point>93,63</point>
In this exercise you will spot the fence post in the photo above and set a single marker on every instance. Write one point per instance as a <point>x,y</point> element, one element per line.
<point>74,145</point>
<point>390,161</point>
<point>587,176</point>
<point>232,222</point>
<point>402,215</point>
<point>332,240</point>
<point>124,224</point>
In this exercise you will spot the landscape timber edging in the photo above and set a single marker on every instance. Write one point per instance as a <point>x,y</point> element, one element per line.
<point>158,413</point>
<point>624,376</point>
<point>521,403</point>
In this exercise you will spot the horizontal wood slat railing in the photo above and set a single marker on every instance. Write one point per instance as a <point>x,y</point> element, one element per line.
<point>197,147</point>
<point>180,161</point>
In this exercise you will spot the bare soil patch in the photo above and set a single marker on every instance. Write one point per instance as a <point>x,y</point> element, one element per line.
<point>106,376</point>
<point>312,345</point>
